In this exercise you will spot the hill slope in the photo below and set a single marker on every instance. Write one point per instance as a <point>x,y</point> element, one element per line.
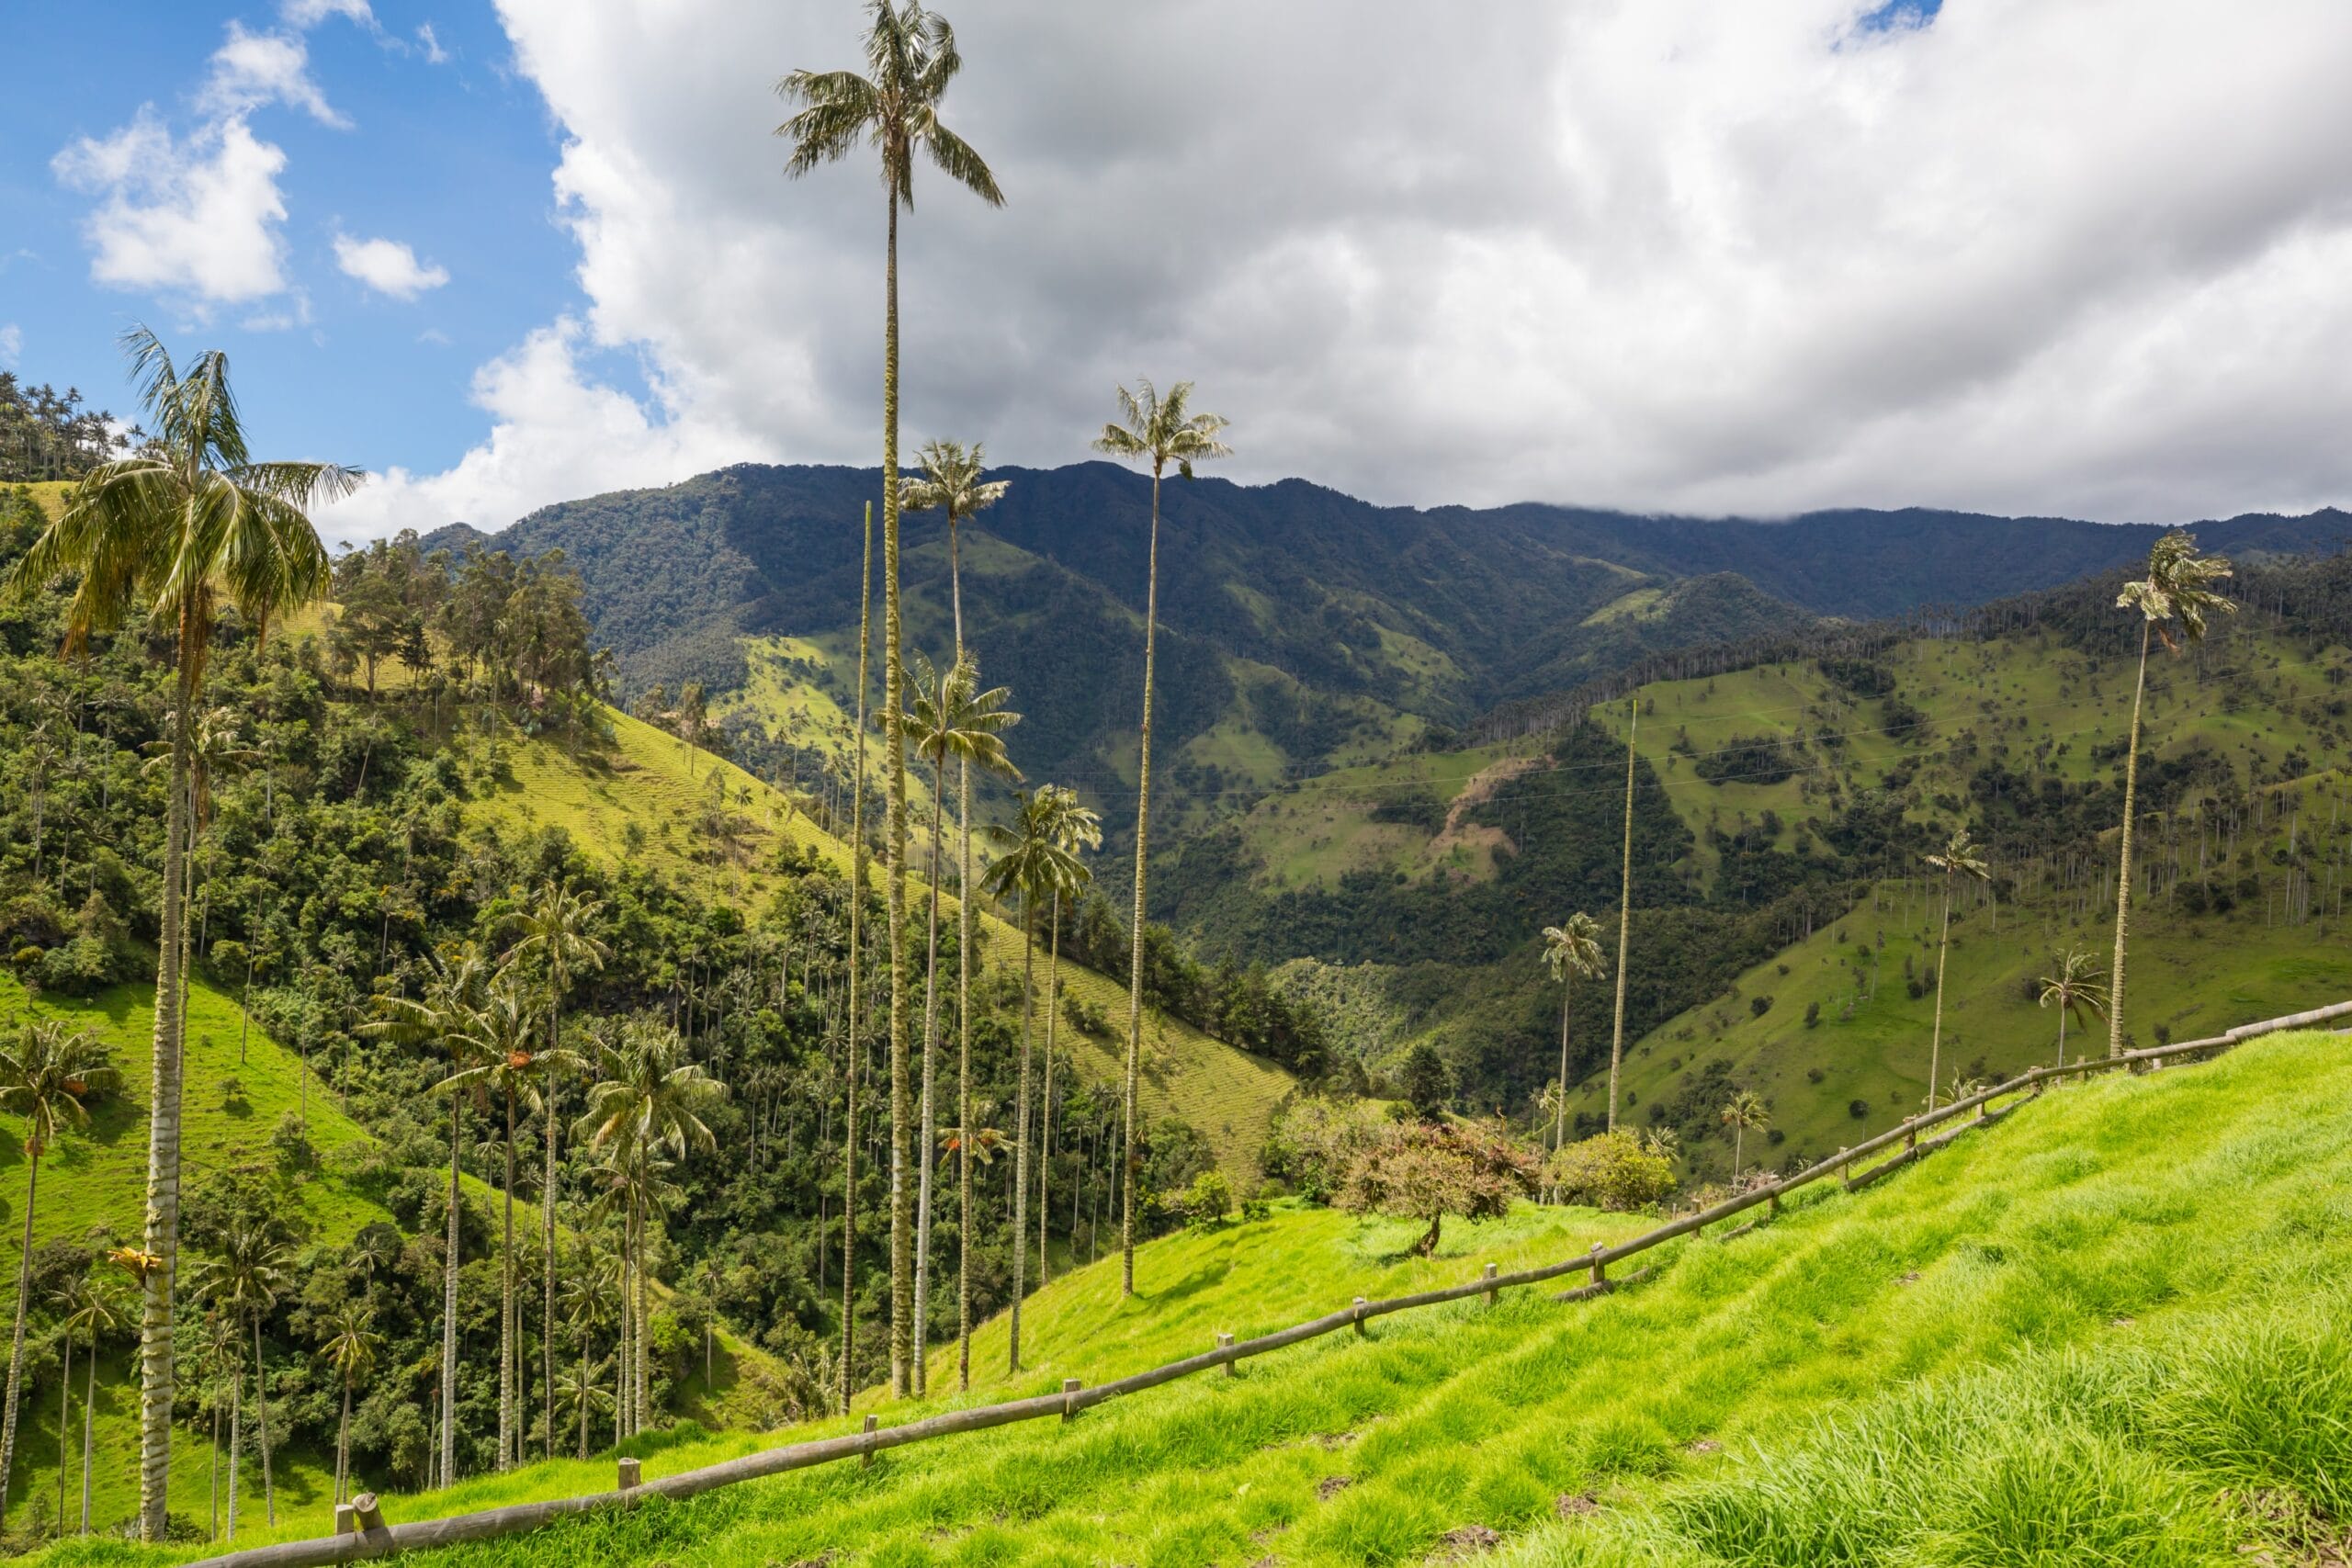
<point>2088,1335</point>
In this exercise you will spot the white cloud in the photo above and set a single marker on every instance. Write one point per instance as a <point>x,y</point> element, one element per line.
<point>253,69</point>
<point>554,432</point>
<point>434,53</point>
<point>307,14</point>
<point>12,343</point>
<point>198,218</point>
<point>2046,256</point>
<point>386,267</point>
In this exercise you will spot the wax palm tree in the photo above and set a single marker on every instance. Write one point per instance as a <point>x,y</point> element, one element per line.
<point>1961,857</point>
<point>1035,863</point>
<point>1571,951</point>
<point>855,1023</point>
<point>1624,912</point>
<point>1744,1112</point>
<point>1159,430</point>
<point>2075,989</point>
<point>185,524</point>
<point>557,930</point>
<point>1078,831</point>
<point>447,1017</point>
<point>950,483</point>
<point>93,1312</point>
<point>910,58</point>
<point>45,1071</point>
<point>350,1351</point>
<point>2175,594</point>
<point>242,1279</point>
<point>506,1071</point>
<point>586,1297</point>
<point>951,719</point>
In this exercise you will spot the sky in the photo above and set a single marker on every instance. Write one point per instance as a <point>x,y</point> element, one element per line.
<point>2068,257</point>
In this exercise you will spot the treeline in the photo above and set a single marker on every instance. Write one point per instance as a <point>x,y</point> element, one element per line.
<point>45,435</point>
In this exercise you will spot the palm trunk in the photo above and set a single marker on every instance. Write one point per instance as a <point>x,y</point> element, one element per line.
<point>1046,1104</point>
<point>449,1316</point>
<point>644,1322</point>
<point>90,1400</point>
<point>1737,1130</point>
<point>212,1528</point>
<point>17,1339</point>
<point>1129,1164</point>
<point>64,1414</point>
<point>236,1442</point>
<point>856,908</point>
<point>547,1221</point>
<point>583,1396</point>
<point>2123,880</point>
<point>1936,1037</point>
<point>902,1302</point>
<point>156,1387</point>
<point>1560,1112</point>
<point>506,1441</point>
<point>1020,1134</point>
<point>928,1131</point>
<point>342,1446</point>
<point>964,1223</point>
<point>1624,910</point>
<point>2062,1029</point>
<point>261,1428</point>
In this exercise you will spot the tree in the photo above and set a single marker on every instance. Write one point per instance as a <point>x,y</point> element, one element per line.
<point>92,1312</point>
<point>351,1351</point>
<point>1036,862</point>
<point>1616,1170</point>
<point>1624,910</point>
<point>242,1279</point>
<point>587,1292</point>
<point>1571,949</point>
<point>952,719</point>
<point>1159,430</point>
<point>557,929</point>
<point>854,1029</point>
<point>910,58</point>
<point>2174,592</point>
<point>2075,989</point>
<point>45,1071</point>
<point>186,525</point>
<point>952,483</point>
<point>1744,1112</point>
<point>1426,1082</point>
<point>1960,857</point>
<point>1427,1170</point>
<point>1078,830</point>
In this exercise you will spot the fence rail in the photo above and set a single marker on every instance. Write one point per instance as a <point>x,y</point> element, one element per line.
<point>363,1533</point>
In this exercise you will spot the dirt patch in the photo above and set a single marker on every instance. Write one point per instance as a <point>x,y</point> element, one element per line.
<point>1705,1446</point>
<point>1334,1440</point>
<point>1469,1541</point>
<point>1481,787</point>
<point>1576,1504</point>
<point>1331,1486</point>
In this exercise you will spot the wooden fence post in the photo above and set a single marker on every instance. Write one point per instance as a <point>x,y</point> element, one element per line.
<point>1599,1269</point>
<point>347,1519</point>
<point>632,1473</point>
<point>1488,1275</point>
<point>1069,1410</point>
<point>1225,1342</point>
<point>866,1460</point>
<point>366,1513</point>
<point>1361,1305</point>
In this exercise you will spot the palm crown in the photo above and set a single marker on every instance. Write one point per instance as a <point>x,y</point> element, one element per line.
<point>1038,855</point>
<point>953,720</point>
<point>2174,588</point>
<point>1163,430</point>
<point>2073,986</point>
<point>1573,947</point>
<point>951,481</point>
<point>1962,856</point>
<point>44,1074</point>
<point>911,57</point>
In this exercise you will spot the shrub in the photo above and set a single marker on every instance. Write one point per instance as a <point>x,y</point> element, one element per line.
<point>1813,1019</point>
<point>1613,1171</point>
<point>1209,1201</point>
<point>1857,1108</point>
<point>1428,1170</point>
<point>291,1142</point>
<point>1314,1143</point>
<point>1759,1006</point>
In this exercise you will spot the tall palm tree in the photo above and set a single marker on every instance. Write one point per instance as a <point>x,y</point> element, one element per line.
<point>1571,950</point>
<point>952,719</point>
<point>1037,863</point>
<point>910,58</point>
<point>243,1280</point>
<point>557,930</point>
<point>2075,988</point>
<point>1624,912</point>
<point>1159,431</point>
<point>855,1025</point>
<point>586,1294</point>
<point>447,1016</point>
<point>1744,1112</point>
<point>950,483</point>
<point>2175,592</point>
<point>185,524</point>
<point>351,1351</point>
<point>96,1311</point>
<point>1078,831</point>
<point>45,1071</point>
<point>1961,857</point>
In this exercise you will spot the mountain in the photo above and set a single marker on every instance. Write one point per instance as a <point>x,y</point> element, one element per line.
<point>1304,629</point>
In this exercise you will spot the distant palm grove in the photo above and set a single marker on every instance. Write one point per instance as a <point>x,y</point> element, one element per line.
<point>489,1066</point>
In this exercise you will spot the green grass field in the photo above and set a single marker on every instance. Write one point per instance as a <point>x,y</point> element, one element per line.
<point>2109,1330</point>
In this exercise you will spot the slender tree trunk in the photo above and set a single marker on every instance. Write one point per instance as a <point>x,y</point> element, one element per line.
<point>449,1314</point>
<point>2062,1030</point>
<point>644,1319</point>
<point>1624,910</point>
<point>1021,1122</point>
<point>1130,1164</point>
<point>546,1213</point>
<point>1560,1112</point>
<point>261,1428</point>
<point>16,1338</point>
<point>507,1445</point>
<point>212,1527</point>
<point>342,1446</point>
<point>964,1224</point>
<point>236,1442</point>
<point>1046,1106</point>
<point>65,1414</point>
<point>856,1018</point>
<point>928,1133</point>
<point>156,1387</point>
<point>902,1262</point>
<point>583,1396</point>
<point>89,1400</point>
<point>1936,1037</point>
<point>2124,879</point>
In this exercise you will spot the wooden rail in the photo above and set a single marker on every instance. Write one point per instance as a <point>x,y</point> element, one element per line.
<point>373,1537</point>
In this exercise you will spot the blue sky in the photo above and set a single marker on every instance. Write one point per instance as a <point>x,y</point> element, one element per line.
<point>449,157</point>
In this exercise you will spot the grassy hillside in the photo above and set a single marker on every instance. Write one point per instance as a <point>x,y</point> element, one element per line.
<point>640,800</point>
<point>2109,1330</point>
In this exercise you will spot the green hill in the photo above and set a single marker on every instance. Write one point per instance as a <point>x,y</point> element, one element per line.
<point>2110,1329</point>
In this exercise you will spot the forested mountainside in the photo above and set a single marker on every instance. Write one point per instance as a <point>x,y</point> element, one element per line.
<point>1781,812</point>
<point>1302,629</point>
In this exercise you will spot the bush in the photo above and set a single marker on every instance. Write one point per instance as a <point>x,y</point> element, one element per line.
<point>1428,1170</point>
<point>78,967</point>
<point>291,1143</point>
<point>1813,1019</point>
<point>1857,1108</point>
<point>1314,1143</point>
<point>1759,1006</point>
<point>1613,1171</point>
<point>1087,1018</point>
<point>1209,1201</point>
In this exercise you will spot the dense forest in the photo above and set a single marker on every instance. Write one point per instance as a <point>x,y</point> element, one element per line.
<point>45,435</point>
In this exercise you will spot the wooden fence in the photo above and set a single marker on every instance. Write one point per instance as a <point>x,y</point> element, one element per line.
<point>362,1532</point>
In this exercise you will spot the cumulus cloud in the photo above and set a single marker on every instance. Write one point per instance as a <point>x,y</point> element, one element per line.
<point>253,69</point>
<point>307,14</point>
<point>386,267</point>
<point>12,343</point>
<point>197,217</point>
<point>2046,256</point>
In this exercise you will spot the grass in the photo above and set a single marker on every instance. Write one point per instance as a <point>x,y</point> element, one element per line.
<point>2075,1338</point>
<point>650,782</point>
